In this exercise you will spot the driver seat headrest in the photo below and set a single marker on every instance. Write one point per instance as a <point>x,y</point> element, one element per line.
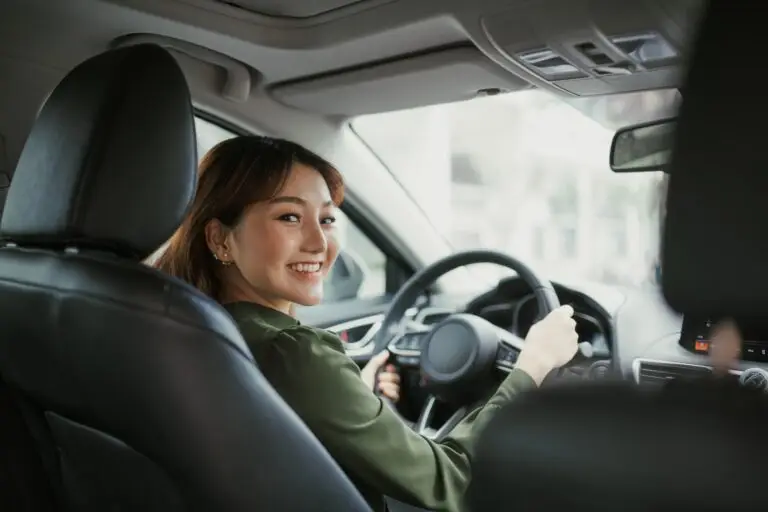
<point>698,446</point>
<point>110,163</point>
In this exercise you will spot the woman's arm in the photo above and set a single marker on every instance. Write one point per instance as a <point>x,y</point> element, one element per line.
<point>365,436</point>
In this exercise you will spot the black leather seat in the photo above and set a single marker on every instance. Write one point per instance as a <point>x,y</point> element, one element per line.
<point>139,391</point>
<point>607,447</point>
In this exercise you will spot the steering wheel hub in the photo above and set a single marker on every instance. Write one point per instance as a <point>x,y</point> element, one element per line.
<point>456,357</point>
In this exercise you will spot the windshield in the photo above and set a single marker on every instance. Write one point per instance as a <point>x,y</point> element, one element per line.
<point>527,173</point>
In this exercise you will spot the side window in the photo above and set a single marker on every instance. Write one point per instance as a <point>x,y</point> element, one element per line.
<point>208,135</point>
<point>360,269</point>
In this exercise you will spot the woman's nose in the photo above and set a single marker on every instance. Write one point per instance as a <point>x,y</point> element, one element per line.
<point>315,241</point>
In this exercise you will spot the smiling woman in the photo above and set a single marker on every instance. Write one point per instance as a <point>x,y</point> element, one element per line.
<point>245,212</point>
<point>259,238</point>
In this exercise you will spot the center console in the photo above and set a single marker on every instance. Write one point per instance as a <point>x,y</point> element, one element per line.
<point>696,337</point>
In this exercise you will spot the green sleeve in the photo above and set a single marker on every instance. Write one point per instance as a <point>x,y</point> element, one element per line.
<point>366,436</point>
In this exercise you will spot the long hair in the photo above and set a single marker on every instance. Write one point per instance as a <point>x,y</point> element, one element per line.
<point>232,176</point>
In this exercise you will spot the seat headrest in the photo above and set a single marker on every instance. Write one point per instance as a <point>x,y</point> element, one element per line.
<point>614,447</point>
<point>715,247</point>
<point>110,163</point>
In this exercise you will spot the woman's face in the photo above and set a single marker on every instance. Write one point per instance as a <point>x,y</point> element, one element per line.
<point>282,249</point>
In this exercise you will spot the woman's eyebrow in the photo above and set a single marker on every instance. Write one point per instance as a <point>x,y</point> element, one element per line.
<point>295,200</point>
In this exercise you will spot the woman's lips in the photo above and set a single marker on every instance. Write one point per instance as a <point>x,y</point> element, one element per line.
<point>307,270</point>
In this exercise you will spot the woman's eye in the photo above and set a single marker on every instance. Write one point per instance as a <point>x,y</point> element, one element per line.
<point>289,217</point>
<point>328,220</point>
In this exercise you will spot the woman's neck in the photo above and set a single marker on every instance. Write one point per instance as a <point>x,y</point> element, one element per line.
<point>246,293</point>
<point>279,305</point>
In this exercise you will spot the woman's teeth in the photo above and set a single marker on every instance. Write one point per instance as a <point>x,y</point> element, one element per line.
<point>305,267</point>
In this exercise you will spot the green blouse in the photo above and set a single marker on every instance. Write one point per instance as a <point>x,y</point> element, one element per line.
<point>378,451</point>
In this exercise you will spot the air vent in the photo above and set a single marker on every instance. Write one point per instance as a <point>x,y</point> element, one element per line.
<point>656,373</point>
<point>549,64</point>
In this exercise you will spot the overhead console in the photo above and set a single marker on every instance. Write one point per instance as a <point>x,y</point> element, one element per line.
<point>597,46</point>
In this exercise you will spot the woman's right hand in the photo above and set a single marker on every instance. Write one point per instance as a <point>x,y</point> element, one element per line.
<point>725,347</point>
<point>550,343</point>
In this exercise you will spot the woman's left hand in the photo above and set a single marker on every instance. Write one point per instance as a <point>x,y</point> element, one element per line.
<point>386,381</point>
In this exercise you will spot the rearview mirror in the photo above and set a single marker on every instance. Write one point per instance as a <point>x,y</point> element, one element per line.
<point>643,147</point>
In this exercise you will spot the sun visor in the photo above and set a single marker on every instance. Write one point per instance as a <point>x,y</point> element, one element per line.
<point>440,76</point>
<point>715,243</point>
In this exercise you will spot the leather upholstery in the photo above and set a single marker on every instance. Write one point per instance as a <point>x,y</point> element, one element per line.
<point>110,161</point>
<point>146,394</point>
<point>612,446</point>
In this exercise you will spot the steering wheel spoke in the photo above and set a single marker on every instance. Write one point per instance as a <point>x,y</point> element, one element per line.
<point>406,347</point>
<point>424,424</point>
<point>506,358</point>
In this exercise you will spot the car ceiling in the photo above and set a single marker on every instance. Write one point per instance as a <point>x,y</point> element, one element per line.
<point>313,62</point>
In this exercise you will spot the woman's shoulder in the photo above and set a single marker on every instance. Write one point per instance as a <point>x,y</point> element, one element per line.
<point>312,337</point>
<point>304,352</point>
<point>261,324</point>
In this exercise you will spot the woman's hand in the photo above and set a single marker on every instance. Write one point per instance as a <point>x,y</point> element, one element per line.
<point>550,344</point>
<point>387,381</point>
<point>725,347</point>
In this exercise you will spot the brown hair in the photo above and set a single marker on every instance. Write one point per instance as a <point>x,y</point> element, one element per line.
<point>233,175</point>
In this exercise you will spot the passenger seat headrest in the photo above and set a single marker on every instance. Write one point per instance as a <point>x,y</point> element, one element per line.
<point>110,163</point>
<point>600,448</point>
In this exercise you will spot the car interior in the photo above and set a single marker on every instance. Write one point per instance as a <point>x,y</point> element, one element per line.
<point>699,444</point>
<point>126,389</point>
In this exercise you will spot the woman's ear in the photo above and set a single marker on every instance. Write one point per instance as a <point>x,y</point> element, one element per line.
<point>216,235</point>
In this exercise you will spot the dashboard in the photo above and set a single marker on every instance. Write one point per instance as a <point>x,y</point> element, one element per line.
<point>510,306</point>
<point>655,344</point>
<point>634,334</point>
<point>513,307</point>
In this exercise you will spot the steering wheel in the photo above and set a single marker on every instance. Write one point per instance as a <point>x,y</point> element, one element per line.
<point>458,356</point>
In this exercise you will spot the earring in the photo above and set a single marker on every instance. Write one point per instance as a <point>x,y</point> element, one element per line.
<point>223,262</point>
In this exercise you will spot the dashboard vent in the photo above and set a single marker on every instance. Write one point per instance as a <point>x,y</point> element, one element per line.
<point>657,373</point>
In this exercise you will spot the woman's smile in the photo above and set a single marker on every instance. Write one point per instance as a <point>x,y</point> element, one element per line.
<point>307,270</point>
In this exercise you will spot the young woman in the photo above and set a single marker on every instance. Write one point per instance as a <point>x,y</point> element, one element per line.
<point>259,238</point>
